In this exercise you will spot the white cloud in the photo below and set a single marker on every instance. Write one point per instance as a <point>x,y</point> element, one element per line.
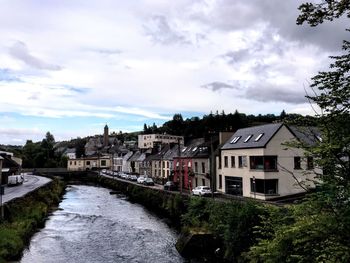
<point>149,59</point>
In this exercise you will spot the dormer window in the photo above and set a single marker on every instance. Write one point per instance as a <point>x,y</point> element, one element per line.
<point>235,139</point>
<point>259,137</point>
<point>248,138</point>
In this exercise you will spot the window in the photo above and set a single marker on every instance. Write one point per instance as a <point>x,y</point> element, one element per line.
<point>261,186</point>
<point>233,164</point>
<point>103,162</point>
<point>266,163</point>
<point>220,181</point>
<point>233,185</point>
<point>242,161</point>
<point>203,167</point>
<point>219,162</point>
<point>225,161</point>
<point>259,137</point>
<point>297,163</point>
<point>203,182</point>
<point>87,162</point>
<point>195,167</point>
<point>75,163</point>
<point>310,163</point>
<point>235,139</point>
<point>248,138</point>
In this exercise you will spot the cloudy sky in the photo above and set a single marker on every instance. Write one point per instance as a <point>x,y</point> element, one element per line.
<point>71,66</point>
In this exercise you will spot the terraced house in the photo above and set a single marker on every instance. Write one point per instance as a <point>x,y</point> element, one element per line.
<point>255,162</point>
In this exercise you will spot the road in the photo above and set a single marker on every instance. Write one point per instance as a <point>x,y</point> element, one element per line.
<point>31,182</point>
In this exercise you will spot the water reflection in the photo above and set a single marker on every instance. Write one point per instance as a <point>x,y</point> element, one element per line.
<point>94,226</point>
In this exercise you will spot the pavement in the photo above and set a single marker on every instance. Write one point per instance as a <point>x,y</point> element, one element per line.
<point>31,182</point>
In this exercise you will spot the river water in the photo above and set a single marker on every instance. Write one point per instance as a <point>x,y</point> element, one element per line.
<point>93,226</point>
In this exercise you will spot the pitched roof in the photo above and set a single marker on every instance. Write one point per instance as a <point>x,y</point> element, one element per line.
<point>252,137</point>
<point>307,135</point>
<point>135,156</point>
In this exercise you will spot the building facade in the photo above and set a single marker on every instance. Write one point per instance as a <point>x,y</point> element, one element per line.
<point>147,141</point>
<point>255,162</point>
<point>90,163</point>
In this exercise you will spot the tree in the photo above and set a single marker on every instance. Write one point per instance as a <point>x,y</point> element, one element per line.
<point>318,229</point>
<point>80,147</point>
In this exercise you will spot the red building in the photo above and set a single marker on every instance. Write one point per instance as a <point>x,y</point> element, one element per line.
<point>183,168</point>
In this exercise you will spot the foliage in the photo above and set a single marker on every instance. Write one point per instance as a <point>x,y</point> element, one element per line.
<point>318,229</point>
<point>79,146</point>
<point>196,127</point>
<point>42,154</point>
<point>231,222</point>
<point>23,216</point>
<point>315,14</point>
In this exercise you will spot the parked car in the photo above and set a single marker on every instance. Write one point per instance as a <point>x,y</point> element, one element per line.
<point>123,176</point>
<point>201,191</point>
<point>132,177</point>
<point>170,186</point>
<point>15,180</point>
<point>140,180</point>
<point>148,181</point>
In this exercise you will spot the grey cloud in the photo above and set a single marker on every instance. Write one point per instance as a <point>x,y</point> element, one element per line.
<point>231,15</point>
<point>34,96</point>
<point>160,31</point>
<point>272,93</point>
<point>256,50</point>
<point>20,51</point>
<point>233,57</point>
<point>215,86</point>
<point>106,51</point>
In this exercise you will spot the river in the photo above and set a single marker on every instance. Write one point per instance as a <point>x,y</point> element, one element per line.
<point>93,226</point>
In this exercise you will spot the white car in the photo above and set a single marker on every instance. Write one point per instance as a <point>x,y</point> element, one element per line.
<point>141,179</point>
<point>201,191</point>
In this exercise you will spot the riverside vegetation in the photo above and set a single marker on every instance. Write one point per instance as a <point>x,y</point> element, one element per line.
<point>232,225</point>
<point>23,216</point>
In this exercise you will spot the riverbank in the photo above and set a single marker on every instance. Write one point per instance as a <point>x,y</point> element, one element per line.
<point>211,230</point>
<point>23,216</point>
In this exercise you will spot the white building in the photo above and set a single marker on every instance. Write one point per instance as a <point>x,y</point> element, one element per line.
<point>70,153</point>
<point>255,163</point>
<point>146,141</point>
<point>89,163</point>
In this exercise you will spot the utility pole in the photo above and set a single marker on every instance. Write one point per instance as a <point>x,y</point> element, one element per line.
<point>179,167</point>
<point>212,162</point>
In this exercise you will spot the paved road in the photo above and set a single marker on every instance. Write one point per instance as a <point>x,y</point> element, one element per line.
<point>31,182</point>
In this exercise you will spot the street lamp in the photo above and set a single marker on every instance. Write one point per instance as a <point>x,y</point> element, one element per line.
<point>254,189</point>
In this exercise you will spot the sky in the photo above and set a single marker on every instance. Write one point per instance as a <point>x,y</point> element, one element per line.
<point>72,66</point>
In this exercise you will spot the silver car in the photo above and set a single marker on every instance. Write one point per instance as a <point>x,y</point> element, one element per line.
<point>201,190</point>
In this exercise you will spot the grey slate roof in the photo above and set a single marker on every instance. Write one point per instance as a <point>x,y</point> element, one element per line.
<point>134,157</point>
<point>268,131</point>
<point>308,135</point>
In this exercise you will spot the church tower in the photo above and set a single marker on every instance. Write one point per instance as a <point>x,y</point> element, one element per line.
<point>105,136</point>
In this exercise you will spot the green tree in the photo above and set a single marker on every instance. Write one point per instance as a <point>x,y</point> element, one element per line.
<point>80,147</point>
<point>318,229</point>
